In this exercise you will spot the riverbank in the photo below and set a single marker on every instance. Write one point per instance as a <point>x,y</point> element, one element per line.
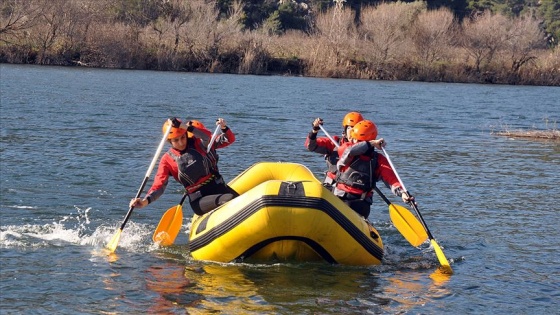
<point>393,41</point>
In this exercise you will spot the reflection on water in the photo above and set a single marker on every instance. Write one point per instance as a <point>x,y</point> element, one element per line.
<point>203,288</point>
<point>440,276</point>
<point>111,256</point>
<point>172,288</point>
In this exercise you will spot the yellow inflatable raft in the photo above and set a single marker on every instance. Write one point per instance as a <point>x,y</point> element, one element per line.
<point>284,213</point>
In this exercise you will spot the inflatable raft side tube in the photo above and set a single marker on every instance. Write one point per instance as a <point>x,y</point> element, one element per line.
<point>287,201</point>
<point>264,171</point>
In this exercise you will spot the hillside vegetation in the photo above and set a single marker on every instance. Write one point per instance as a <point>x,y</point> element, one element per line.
<point>512,42</point>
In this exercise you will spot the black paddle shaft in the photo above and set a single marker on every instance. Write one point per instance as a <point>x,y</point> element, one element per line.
<point>413,204</point>
<point>183,198</point>
<point>382,195</point>
<point>129,213</point>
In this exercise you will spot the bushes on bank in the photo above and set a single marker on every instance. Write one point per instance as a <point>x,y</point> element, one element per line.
<point>392,41</point>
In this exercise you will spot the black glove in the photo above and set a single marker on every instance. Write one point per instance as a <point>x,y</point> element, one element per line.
<point>190,126</point>
<point>316,128</point>
<point>175,122</point>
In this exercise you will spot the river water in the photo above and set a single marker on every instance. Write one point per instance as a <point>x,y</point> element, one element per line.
<point>75,145</point>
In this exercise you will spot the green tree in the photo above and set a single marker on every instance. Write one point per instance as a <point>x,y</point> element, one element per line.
<point>272,25</point>
<point>320,5</point>
<point>292,16</point>
<point>509,7</point>
<point>550,11</point>
<point>481,5</point>
<point>458,7</point>
<point>258,11</point>
<point>224,6</point>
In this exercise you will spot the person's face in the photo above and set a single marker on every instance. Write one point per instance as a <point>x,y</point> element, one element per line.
<point>179,143</point>
<point>348,131</point>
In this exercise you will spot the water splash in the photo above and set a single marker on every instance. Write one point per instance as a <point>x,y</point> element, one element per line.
<point>74,229</point>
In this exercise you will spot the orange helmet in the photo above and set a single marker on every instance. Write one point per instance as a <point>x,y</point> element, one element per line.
<point>351,119</point>
<point>365,130</point>
<point>196,124</point>
<point>174,133</point>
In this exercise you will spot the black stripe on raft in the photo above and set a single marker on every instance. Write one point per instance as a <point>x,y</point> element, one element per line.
<point>288,201</point>
<point>311,243</point>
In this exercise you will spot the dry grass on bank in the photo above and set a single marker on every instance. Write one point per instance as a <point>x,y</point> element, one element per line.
<point>393,41</point>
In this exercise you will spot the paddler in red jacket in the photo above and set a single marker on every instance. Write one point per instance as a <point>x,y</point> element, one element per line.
<point>360,167</point>
<point>189,163</point>
<point>324,145</point>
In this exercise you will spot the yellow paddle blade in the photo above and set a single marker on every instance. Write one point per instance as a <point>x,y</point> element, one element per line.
<point>441,257</point>
<point>408,225</point>
<point>169,226</point>
<point>112,245</point>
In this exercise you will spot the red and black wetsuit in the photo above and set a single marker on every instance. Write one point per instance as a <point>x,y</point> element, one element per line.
<point>359,168</point>
<point>197,171</point>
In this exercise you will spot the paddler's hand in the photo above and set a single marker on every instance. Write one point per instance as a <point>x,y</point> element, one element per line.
<point>138,203</point>
<point>188,125</point>
<point>316,123</point>
<point>175,122</point>
<point>408,198</point>
<point>378,143</point>
<point>222,123</point>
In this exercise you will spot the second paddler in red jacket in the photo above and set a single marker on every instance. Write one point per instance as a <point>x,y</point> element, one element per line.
<point>326,147</point>
<point>360,167</point>
<point>188,162</point>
